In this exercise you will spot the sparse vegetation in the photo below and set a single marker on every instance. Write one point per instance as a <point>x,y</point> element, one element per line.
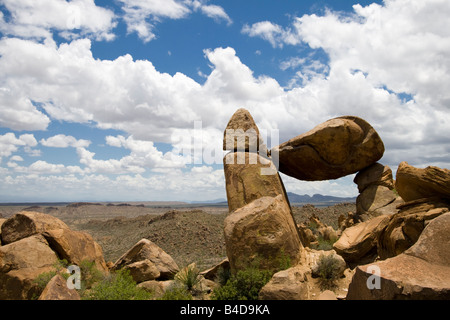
<point>177,292</point>
<point>189,277</point>
<point>116,286</point>
<point>328,268</point>
<point>244,285</point>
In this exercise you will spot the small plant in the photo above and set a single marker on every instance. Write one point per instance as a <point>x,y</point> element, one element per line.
<point>244,285</point>
<point>189,276</point>
<point>324,244</point>
<point>328,271</point>
<point>44,278</point>
<point>117,286</point>
<point>176,291</point>
<point>223,275</point>
<point>89,275</point>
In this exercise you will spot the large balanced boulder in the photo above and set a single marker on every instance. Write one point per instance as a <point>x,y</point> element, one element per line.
<point>335,148</point>
<point>76,246</point>
<point>21,262</point>
<point>421,272</point>
<point>360,241</point>
<point>405,227</point>
<point>246,180</point>
<point>25,224</point>
<point>147,250</point>
<point>262,233</point>
<point>415,183</point>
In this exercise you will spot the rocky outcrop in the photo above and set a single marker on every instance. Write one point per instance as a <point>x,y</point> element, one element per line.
<point>20,263</point>
<point>57,289</point>
<point>335,148</point>
<point>262,233</point>
<point>147,250</point>
<point>360,241</point>
<point>34,244</point>
<point>414,183</point>
<point>25,224</point>
<point>76,246</point>
<point>376,192</point>
<point>143,270</point>
<point>419,273</point>
<point>405,228</point>
<point>289,284</point>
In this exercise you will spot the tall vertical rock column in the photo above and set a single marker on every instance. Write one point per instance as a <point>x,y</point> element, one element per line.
<point>260,230</point>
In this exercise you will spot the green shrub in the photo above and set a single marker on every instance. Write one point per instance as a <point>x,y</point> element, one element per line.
<point>244,285</point>
<point>117,286</point>
<point>176,292</point>
<point>324,244</point>
<point>328,270</point>
<point>189,277</point>
<point>89,275</point>
<point>223,275</point>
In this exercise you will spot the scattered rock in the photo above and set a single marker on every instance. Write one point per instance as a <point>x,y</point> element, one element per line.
<point>420,273</point>
<point>375,174</point>
<point>262,232</point>
<point>211,274</point>
<point>76,246</point>
<point>143,270</point>
<point>360,241</point>
<point>335,148</point>
<point>289,284</point>
<point>25,224</point>
<point>372,200</point>
<point>145,249</point>
<point>414,183</point>
<point>57,289</point>
<point>20,263</point>
<point>405,227</point>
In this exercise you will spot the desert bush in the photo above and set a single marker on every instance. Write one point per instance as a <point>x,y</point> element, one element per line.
<point>244,285</point>
<point>189,277</point>
<point>116,286</point>
<point>328,270</point>
<point>44,278</point>
<point>324,244</point>
<point>223,275</point>
<point>176,292</point>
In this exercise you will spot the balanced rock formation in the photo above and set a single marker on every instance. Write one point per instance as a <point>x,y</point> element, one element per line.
<point>335,148</point>
<point>241,133</point>
<point>414,183</point>
<point>149,255</point>
<point>421,272</point>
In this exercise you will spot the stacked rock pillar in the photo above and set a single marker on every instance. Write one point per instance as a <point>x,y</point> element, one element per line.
<point>260,230</point>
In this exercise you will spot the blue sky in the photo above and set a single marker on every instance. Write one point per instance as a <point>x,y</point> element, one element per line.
<point>101,101</point>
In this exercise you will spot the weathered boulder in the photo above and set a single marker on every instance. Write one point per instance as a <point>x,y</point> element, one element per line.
<point>145,249</point>
<point>374,200</point>
<point>143,270</point>
<point>405,227</point>
<point>57,289</point>
<point>421,272</point>
<point>246,181</point>
<point>327,295</point>
<point>212,273</point>
<point>76,246</point>
<point>241,133</point>
<point>335,148</point>
<point>360,241</point>
<point>25,224</point>
<point>375,174</point>
<point>414,183</point>
<point>289,284</point>
<point>262,232</point>
<point>1,222</point>
<point>21,262</point>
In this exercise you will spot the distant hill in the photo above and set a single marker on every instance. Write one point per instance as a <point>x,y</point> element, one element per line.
<point>317,199</point>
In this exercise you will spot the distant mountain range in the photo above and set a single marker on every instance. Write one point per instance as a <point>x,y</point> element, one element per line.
<point>317,198</point>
